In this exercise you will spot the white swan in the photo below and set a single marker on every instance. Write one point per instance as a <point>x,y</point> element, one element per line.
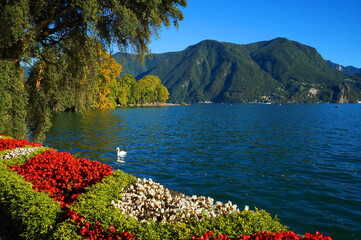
<point>121,153</point>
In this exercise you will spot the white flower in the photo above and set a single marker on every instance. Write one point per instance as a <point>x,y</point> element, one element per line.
<point>18,152</point>
<point>148,200</point>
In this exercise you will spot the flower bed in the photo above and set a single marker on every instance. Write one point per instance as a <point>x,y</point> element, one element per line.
<point>146,200</point>
<point>15,143</point>
<point>61,175</point>
<point>281,235</point>
<point>53,195</point>
<point>18,152</point>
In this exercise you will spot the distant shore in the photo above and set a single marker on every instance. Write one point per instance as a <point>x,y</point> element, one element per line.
<point>152,105</point>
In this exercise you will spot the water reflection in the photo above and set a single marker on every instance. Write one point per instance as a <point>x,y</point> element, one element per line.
<point>120,160</point>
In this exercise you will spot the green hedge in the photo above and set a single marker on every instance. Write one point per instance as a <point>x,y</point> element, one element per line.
<point>34,214</point>
<point>94,205</point>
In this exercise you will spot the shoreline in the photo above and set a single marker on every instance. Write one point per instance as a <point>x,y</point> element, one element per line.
<point>151,105</point>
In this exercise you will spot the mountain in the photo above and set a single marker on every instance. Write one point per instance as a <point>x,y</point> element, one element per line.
<point>350,70</point>
<point>279,70</point>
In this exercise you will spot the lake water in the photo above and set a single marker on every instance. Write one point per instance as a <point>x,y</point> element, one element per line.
<point>301,162</point>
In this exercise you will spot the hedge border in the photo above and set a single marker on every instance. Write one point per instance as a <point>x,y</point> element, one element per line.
<point>34,214</point>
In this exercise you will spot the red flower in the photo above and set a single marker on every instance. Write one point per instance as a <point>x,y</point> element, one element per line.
<point>266,236</point>
<point>6,144</point>
<point>61,175</point>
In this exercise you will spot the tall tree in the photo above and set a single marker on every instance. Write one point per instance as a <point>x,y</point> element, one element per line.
<point>13,100</point>
<point>161,93</point>
<point>109,70</point>
<point>151,90</point>
<point>64,35</point>
<point>30,25</point>
<point>127,91</point>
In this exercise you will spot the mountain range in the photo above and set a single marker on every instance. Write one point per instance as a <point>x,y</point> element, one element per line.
<point>278,70</point>
<point>350,70</point>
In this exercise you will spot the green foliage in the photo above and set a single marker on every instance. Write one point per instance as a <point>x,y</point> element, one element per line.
<point>94,205</point>
<point>67,230</point>
<point>34,214</point>
<point>13,100</point>
<point>272,71</point>
<point>238,224</point>
<point>149,89</point>
<point>30,26</point>
<point>134,97</point>
<point>126,93</point>
<point>56,85</point>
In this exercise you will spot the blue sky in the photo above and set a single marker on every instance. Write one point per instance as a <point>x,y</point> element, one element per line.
<point>333,27</point>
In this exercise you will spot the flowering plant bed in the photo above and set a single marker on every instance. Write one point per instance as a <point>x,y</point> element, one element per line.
<point>61,175</point>
<point>6,144</point>
<point>53,195</point>
<point>281,235</point>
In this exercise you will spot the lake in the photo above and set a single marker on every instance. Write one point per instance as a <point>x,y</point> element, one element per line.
<point>301,162</point>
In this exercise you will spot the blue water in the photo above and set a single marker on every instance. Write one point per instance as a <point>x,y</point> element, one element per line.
<point>301,162</point>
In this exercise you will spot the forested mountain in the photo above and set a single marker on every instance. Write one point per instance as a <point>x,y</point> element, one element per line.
<point>279,70</point>
<point>350,70</point>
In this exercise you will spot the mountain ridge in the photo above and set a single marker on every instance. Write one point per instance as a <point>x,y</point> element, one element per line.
<point>350,70</point>
<point>279,70</point>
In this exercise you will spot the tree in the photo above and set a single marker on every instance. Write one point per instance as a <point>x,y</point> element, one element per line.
<point>151,90</point>
<point>109,70</point>
<point>59,39</point>
<point>28,26</point>
<point>127,93</point>
<point>13,100</point>
<point>147,86</point>
<point>162,93</point>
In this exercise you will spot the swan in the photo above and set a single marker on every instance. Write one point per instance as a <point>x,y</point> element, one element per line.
<point>121,153</point>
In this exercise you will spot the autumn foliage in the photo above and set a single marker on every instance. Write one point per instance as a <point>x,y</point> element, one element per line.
<point>109,70</point>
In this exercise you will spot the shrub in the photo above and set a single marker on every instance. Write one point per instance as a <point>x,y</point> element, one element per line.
<point>94,205</point>
<point>33,213</point>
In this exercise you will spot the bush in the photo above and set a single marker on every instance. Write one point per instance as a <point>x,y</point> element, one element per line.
<point>67,230</point>
<point>34,214</point>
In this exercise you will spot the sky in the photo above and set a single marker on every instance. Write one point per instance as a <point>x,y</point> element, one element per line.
<point>333,27</point>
